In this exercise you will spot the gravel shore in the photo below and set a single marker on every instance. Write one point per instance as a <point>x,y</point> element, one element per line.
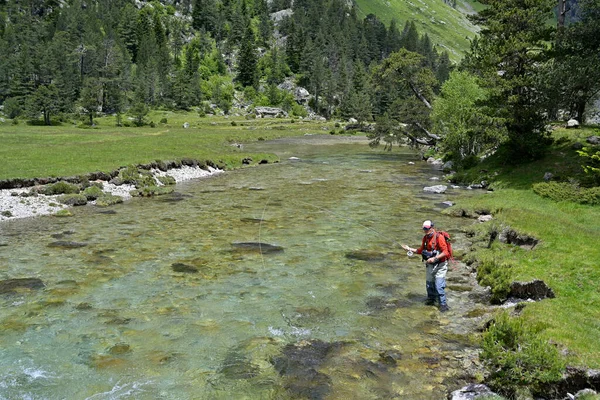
<point>14,204</point>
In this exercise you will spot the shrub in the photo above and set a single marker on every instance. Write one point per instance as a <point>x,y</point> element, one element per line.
<point>592,163</point>
<point>92,192</point>
<point>63,213</point>
<point>108,199</point>
<point>233,123</point>
<point>163,121</point>
<point>497,277</point>
<point>564,191</point>
<point>74,199</point>
<point>6,213</point>
<point>167,180</point>
<point>518,358</point>
<point>133,176</point>
<point>299,111</point>
<point>60,187</point>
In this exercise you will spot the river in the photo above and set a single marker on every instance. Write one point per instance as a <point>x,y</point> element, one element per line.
<point>173,297</point>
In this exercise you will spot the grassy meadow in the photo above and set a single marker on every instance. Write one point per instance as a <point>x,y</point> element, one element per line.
<point>566,257</point>
<point>54,151</point>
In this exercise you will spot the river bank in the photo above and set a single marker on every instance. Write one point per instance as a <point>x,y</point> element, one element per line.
<point>17,203</point>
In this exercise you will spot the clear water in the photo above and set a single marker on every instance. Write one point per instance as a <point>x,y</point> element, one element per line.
<point>115,321</point>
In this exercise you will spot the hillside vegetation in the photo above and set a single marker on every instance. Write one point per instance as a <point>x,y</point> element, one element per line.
<point>447,26</point>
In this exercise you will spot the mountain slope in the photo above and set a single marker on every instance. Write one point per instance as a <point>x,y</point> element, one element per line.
<point>447,27</point>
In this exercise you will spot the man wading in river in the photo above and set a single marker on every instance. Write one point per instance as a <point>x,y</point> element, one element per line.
<point>434,251</point>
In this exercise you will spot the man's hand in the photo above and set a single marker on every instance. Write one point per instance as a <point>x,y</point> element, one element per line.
<point>431,260</point>
<point>405,247</point>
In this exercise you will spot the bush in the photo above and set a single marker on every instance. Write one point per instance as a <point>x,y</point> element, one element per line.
<point>108,199</point>
<point>299,111</point>
<point>60,187</point>
<point>592,163</point>
<point>163,121</point>
<point>564,191</point>
<point>92,192</point>
<point>133,176</point>
<point>75,199</point>
<point>518,358</point>
<point>167,180</point>
<point>497,277</point>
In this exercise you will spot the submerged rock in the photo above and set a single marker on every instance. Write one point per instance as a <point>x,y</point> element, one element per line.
<point>299,364</point>
<point>180,267</point>
<point>14,285</point>
<point>67,244</point>
<point>258,247</point>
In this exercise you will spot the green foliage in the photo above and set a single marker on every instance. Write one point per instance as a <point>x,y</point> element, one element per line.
<point>92,192</point>
<point>60,187</point>
<point>570,192</point>
<point>519,357</point>
<point>299,111</point>
<point>405,88</point>
<point>108,200</point>
<point>510,69</point>
<point>497,277</point>
<point>134,176</point>
<point>166,180</point>
<point>467,132</point>
<point>592,163</point>
<point>151,191</point>
<point>75,199</point>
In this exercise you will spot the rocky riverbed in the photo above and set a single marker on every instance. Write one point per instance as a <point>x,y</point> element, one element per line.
<point>17,203</point>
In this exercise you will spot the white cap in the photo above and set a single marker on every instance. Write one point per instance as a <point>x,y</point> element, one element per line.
<point>427,224</point>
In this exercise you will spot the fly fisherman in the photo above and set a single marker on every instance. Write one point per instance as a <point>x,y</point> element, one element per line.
<point>434,251</point>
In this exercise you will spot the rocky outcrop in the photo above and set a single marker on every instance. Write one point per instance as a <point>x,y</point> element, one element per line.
<point>472,392</point>
<point>269,112</point>
<point>510,236</point>
<point>535,290</point>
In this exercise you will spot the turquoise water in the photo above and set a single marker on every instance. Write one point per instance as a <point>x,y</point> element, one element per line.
<point>335,313</point>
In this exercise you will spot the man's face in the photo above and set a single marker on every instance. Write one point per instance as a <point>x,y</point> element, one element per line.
<point>428,231</point>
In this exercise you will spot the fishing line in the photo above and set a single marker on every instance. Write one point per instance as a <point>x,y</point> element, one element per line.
<point>262,218</point>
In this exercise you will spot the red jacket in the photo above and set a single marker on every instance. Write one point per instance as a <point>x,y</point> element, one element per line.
<point>435,242</point>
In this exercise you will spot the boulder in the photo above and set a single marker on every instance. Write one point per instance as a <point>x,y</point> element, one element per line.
<point>548,176</point>
<point>572,123</point>
<point>471,392</point>
<point>438,189</point>
<point>595,140</point>
<point>279,15</point>
<point>535,290</point>
<point>186,125</point>
<point>485,218</point>
<point>269,112</point>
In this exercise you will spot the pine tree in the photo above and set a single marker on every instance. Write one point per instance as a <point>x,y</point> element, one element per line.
<point>511,68</point>
<point>248,61</point>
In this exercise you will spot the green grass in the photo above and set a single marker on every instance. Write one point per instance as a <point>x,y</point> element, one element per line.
<point>41,151</point>
<point>567,256</point>
<point>447,27</point>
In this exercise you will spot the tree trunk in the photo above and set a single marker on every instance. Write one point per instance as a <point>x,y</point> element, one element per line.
<point>419,95</point>
<point>562,11</point>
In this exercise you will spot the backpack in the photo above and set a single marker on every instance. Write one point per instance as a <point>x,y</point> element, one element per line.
<point>450,259</point>
<point>446,236</point>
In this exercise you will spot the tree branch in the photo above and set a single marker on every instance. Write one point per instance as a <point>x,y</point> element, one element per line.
<point>419,95</point>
